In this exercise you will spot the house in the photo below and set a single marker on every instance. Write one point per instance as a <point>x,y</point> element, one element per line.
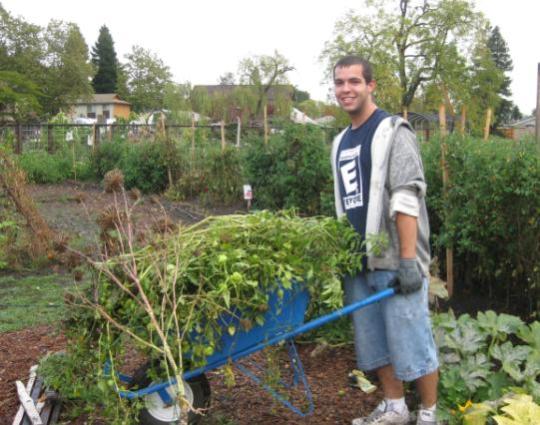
<point>517,130</point>
<point>103,106</point>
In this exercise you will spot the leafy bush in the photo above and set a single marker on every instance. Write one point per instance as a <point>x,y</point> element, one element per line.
<point>225,177</point>
<point>490,215</point>
<point>41,167</point>
<point>481,359</point>
<point>108,156</point>
<point>145,167</point>
<point>209,173</point>
<point>291,171</point>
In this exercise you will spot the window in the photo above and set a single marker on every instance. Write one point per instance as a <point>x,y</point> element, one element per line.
<point>90,115</point>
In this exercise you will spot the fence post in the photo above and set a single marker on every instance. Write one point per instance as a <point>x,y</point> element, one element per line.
<point>18,139</point>
<point>95,131</point>
<point>446,181</point>
<point>222,135</point>
<point>50,138</point>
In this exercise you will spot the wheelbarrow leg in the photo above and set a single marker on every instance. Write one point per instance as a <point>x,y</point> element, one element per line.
<point>299,376</point>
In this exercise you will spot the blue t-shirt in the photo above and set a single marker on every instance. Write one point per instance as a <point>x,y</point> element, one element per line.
<point>354,169</point>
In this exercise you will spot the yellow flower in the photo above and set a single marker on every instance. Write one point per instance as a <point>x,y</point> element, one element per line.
<point>466,406</point>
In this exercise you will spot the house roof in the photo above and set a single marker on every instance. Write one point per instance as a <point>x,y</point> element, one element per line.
<point>103,99</point>
<point>525,122</point>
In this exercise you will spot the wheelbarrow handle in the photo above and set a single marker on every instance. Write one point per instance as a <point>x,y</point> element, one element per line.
<point>318,322</point>
<point>315,323</point>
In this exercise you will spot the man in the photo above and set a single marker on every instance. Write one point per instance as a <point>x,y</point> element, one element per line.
<point>379,185</point>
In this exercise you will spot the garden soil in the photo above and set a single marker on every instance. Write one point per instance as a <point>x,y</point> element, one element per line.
<point>336,402</point>
<point>72,209</point>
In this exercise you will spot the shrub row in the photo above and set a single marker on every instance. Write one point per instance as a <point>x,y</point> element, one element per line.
<point>489,215</point>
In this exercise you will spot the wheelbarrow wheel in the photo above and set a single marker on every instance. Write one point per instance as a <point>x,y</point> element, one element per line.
<point>156,412</point>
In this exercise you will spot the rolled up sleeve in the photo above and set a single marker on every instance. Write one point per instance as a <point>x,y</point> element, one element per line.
<point>405,181</point>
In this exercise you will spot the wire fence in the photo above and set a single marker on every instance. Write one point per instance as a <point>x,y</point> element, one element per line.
<point>50,137</point>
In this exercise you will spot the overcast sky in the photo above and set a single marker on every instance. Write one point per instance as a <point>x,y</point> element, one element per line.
<point>202,39</point>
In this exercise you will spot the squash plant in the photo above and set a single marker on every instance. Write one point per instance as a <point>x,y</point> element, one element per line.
<point>484,359</point>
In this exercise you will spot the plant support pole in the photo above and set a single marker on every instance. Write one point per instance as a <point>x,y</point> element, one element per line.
<point>265,118</point>
<point>445,179</point>
<point>488,123</point>
<point>238,130</point>
<point>192,138</point>
<point>463,120</point>
<point>222,136</point>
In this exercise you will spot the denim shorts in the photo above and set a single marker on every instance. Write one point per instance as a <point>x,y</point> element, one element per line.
<point>396,330</point>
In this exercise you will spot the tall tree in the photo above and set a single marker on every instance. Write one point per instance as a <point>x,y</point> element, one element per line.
<point>264,72</point>
<point>506,111</point>
<point>485,80</point>
<point>19,97</point>
<point>106,63</point>
<point>147,77</point>
<point>21,47</point>
<point>45,65</point>
<point>406,40</point>
<point>68,67</point>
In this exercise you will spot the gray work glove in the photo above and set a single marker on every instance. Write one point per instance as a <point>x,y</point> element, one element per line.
<point>409,275</point>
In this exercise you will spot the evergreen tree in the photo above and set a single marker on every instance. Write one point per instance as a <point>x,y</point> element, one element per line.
<point>506,111</point>
<point>106,63</point>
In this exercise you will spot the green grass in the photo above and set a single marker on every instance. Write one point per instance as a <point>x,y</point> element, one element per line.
<point>32,300</point>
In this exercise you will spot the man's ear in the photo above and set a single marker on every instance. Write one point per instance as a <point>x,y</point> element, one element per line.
<point>372,85</point>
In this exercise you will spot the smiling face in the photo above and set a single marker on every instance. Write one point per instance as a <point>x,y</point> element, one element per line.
<point>352,91</point>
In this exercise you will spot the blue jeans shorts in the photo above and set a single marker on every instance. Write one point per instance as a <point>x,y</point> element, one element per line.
<point>396,330</point>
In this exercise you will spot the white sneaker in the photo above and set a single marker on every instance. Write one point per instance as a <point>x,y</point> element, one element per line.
<point>380,416</point>
<point>426,417</point>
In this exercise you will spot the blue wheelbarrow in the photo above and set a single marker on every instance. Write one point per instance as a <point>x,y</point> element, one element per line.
<point>284,320</point>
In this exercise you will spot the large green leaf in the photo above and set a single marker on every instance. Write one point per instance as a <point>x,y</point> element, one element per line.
<point>466,340</point>
<point>520,410</point>
<point>498,326</point>
<point>511,358</point>
<point>530,334</point>
<point>475,370</point>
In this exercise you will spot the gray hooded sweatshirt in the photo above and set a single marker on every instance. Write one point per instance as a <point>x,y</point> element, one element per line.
<point>397,185</point>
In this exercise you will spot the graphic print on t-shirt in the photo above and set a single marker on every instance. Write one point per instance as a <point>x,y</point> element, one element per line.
<point>351,176</point>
